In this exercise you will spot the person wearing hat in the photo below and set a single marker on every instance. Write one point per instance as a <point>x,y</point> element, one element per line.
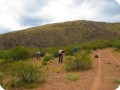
<point>38,55</point>
<point>60,55</point>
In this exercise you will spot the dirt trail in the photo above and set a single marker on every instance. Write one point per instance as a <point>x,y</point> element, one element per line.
<point>105,70</point>
<point>96,82</point>
<point>108,70</point>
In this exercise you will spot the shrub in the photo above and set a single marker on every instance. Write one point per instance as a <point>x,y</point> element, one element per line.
<point>96,56</point>
<point>117,45</point>
<point>4,64</point>
<point>95,45</point>
<point>88,51</point>
<point>54,53</point>
<point>42,54</point>
<point>19,53</point>
<point>44,62</point>
<point>79,62</point>
<point>117,81</point>
<point>26,73</point>
<point>1,61</point>
<point>46,59</point>
<point>69,51</point>
<point>84,61</point>
<point>72,77</point>
<point>5,54</point>
<point>69,64</point>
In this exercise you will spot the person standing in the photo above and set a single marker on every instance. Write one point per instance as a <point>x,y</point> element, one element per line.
<point>38,55</point>
<point>60,55</point>
<point>75,50</point>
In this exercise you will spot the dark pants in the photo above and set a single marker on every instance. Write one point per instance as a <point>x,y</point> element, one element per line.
<point>60,58</point>
<point>38,57</point>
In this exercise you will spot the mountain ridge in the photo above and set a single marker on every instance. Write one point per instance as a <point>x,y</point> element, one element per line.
<point>60,34</point>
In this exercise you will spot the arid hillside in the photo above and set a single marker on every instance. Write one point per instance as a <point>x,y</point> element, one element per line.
<point>60,34</point>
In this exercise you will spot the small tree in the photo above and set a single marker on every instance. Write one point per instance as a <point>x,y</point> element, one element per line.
<point>69,51</point>
<point>26,73</point>
<point>46,59</point>
<point>19,53</point>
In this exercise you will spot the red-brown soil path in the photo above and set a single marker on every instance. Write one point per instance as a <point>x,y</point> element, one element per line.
<point>105,70</point>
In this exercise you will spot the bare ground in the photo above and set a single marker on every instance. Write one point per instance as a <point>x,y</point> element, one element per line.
<point>105,70</point>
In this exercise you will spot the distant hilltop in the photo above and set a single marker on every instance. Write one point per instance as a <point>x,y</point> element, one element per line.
<point>60,34</point>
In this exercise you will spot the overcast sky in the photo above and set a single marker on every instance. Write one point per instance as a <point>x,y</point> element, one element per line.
<point>21,14</point>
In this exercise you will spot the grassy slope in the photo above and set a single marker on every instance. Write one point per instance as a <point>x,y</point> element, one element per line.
<point>67,33</point>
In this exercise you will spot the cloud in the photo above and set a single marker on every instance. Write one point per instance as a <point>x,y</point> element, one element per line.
<point>102,10</point>
<point>31,20</point>
<point>118,1</point>
<point>12,13</point>
<point>21,14</point>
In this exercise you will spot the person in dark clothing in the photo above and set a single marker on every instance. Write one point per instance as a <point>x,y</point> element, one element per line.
<point>60,58</point>
<point>75,49</point>
<point>38,55</point>
<point>60,55</point>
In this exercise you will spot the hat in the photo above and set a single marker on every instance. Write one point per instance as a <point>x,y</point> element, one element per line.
<point>60,51</point>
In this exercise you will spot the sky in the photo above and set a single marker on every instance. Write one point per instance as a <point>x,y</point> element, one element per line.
<point>21,14</point>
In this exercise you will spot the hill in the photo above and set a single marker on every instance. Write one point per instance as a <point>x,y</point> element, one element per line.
<point>60,34</point>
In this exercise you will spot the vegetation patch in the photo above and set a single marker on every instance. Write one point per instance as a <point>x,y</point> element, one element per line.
<point>61,34</point>
<point>20,53</point>
<point>116,81</point>
<point>81,61</point>
<point>24,75</point>
<point>5,64</point>
<point>1,61</point>
<point>46,59</point>
<point>96,56</point>
<point>69,51</point>
<point>5,54</point>
<point>73,77</point>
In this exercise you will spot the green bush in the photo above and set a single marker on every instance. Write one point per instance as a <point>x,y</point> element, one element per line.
<point>96,45</point>
<point>78,62</point>
<point>83,61</point>
<point>4,64</point>
<point>88,51</point>
<point>1,61</point>
<point>96,56</point>
<point>72,77</point>
<point>117,45</point>
<point>54,53</point>
<point>69,51</point>
<point>46,59</point>
<point>42,54</point>
<point>20,53</point>
<point>5,54</point>
<point>69,64</point>
<point>117,82</point>
<point>26,73</point>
